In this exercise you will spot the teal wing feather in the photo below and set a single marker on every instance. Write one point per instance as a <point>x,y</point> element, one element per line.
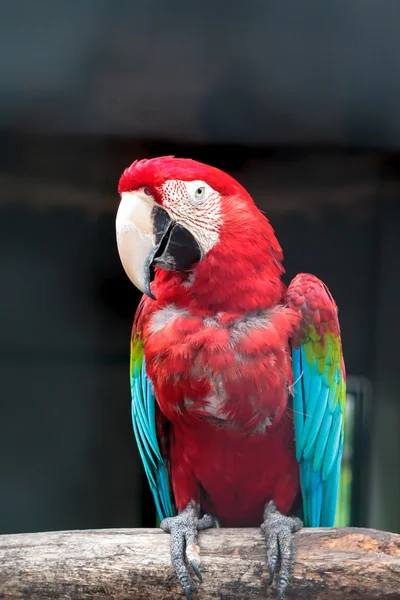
<point>147,421</point>
<point>319,398</point>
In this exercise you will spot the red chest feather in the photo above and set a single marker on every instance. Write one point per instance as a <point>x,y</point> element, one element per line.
<point>233,369</point>
<point>224,382</point>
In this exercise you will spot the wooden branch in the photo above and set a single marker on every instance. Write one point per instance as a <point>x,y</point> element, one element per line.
<point>133,564</point>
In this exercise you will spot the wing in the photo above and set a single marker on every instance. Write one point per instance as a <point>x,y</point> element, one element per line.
<point>319,382</point>
<point>148,424</point>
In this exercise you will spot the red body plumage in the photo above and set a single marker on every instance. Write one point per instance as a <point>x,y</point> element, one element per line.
<point>216,343</point>
<point>230,461</point>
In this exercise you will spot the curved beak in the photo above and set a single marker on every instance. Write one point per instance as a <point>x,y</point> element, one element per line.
<point>140,226</point>
<point>146,236</point>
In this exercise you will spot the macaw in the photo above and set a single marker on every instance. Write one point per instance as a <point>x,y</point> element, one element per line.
<point>238,383</point>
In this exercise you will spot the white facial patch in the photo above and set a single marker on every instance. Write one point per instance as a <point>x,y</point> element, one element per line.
<point>197,206</point>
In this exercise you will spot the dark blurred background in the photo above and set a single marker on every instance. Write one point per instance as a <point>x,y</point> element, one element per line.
<point>300,102</point>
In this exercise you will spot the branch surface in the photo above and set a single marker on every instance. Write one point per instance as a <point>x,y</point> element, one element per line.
<point>134,564</point>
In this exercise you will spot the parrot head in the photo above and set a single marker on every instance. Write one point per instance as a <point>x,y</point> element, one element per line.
<point>176,214</point>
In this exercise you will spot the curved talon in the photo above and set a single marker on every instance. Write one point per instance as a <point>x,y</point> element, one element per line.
<point>196,570</point>
<point>278,530</point>
<point>272,553</point>
<point>184,530</point>
<point>271,574</point>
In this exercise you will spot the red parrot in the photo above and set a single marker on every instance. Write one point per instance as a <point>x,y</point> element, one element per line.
<point>238,383</point>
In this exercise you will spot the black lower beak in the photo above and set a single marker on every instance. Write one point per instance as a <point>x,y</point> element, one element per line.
<point>176,249</point>
<point>161,226</point>
<point>179,250</point>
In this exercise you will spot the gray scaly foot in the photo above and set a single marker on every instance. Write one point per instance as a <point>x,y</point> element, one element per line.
<point>183,529</point>
<point>278,531</point>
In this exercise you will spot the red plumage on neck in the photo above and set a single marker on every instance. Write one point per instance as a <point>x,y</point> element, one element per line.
<point>241,273</point>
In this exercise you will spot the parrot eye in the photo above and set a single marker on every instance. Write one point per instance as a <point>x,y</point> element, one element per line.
<point>199,193</point>
<point>147,191</point>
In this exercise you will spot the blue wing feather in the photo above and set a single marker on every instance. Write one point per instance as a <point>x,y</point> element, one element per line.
<point>144,427</point>
<point>315,422</point>
<point>318,422</point>
<point>298,406</point>
<point>322,440</point>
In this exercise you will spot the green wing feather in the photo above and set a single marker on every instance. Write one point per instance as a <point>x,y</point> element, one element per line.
<point>319,382</point>
<point>144,420</point>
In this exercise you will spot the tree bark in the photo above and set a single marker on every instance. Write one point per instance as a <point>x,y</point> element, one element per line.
<point>134,564</point>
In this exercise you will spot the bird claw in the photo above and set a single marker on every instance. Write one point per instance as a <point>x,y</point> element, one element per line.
<point>196,570</point>
<point>278,531</point>
<point>271,574</point>
<point>184,529</point>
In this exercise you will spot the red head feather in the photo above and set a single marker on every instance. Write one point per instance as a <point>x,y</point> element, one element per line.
<point>244,268</point>
<point>154,172</point>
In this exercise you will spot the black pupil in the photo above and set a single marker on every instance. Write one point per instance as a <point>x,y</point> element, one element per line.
<point>199,191</point>
<point>147,191</point>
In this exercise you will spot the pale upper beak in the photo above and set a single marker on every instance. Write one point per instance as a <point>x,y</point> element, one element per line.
<point>146,235</point>
<point>137,236</point>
